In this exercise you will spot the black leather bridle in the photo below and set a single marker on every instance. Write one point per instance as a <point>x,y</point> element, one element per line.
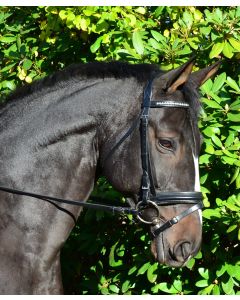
<point>148,198</point>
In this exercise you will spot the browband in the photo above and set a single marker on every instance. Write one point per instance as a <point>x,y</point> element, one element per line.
<point>175,104</point>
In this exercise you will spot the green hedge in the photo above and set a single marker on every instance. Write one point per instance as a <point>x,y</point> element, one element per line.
<point>108,254</point>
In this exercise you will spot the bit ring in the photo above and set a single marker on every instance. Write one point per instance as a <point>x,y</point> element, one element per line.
<point>151,204</point>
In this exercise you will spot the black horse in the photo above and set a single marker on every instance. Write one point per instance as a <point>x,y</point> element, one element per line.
<point>58,135</point>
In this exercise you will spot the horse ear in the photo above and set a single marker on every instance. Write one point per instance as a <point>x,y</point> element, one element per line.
<point>199,77</point>
<point>171,80</point>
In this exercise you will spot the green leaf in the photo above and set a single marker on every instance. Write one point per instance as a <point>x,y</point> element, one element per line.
<point>132,270</point>
<point>235,43</point>
<point>211,213</point>
<point>216,290</point>
<point>8,67</point>
<point>163,286</point>
<point>228,286</point>
<point>233,117</point>
<point>222,270</point>
<point>216,50</point>
<point>190,263</point>
<point>151,276</point>
<point>88,12</point>
<point>215,97</point>
<point>204,273</point>
<point>217,141</point>
<point>101,26</point>
<point>201,283</point>
<point>207,86</point>
<point>231,228</point>
<point>10,85</point>
<point>199,255</point>
<point>230,154</point>
<point>143,268</point>
<point>205,30</point>
<point>19,42</point>
<point>193,42</point>
<point>8,38</point>
<point>94,47</point>
<point>218,15</point>
<point>238,187</point>
<point>104,291</point>
<point>132,19</point>
<point>210,130</point>
<point>112,261</point>
<point>137,42</point>
<point>114,288</point>
<point>232,270</point>
<point>207,290</point>
<point>204,159</point>
<point>211,103</point>
<point>141,10</point>
<point>158,36</point>
<point>204,190</point>
<point>203,178</point>
<point>187,18</point>
<point>232,207</point>
<point>235,175</point>
<point>155,44</point>
<point>177,284</point>
<point>218,82</point>
<point>209,148</point>
<point>237,163</point>
<point>230,139</point>
<point>227,50</point>
<point>235,105</point>
<point>27,64</point>
<point>228,160</point>
<point>184,51</point>
<point>232,83</point>
<point>125,287</point>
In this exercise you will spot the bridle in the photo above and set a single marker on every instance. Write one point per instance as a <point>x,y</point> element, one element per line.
<point>148,198</point>
<point>148,192</point>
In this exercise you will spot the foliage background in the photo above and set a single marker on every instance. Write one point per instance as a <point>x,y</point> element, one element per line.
<point>110,254</point>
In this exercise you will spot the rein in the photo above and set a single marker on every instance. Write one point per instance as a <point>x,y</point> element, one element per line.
<point>148,198</point>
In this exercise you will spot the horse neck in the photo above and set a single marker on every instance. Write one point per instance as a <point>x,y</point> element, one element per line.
<point>52,137</point>
<point>50,145</point>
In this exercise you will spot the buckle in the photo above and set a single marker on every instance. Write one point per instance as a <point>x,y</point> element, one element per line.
<point>173,221</point>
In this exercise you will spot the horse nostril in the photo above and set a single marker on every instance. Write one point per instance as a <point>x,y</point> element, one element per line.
<point>181,251</point>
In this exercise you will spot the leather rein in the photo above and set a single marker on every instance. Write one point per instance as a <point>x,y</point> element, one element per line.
<point>148,198</point>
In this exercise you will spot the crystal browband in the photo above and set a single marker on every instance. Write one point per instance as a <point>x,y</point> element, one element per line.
<point>168,104</point>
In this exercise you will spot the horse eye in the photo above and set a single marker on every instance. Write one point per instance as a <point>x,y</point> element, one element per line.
<point>166,144</point>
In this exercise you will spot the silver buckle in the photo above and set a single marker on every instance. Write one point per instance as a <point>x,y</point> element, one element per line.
<point>173,221</point>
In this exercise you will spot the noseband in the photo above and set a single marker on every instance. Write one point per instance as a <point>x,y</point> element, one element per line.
<point>148,197</point>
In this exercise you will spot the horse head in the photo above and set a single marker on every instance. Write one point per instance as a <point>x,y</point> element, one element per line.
<point>173,142</point>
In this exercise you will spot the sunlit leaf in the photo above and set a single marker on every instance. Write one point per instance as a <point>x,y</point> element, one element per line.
<point>216,50</point>
<point>235,43</point>
<point>137,42</point>
<point>227,50</point>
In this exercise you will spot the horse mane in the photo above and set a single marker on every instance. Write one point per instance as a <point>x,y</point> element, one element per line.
<point>115,69</point>
<point>118,70</point>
